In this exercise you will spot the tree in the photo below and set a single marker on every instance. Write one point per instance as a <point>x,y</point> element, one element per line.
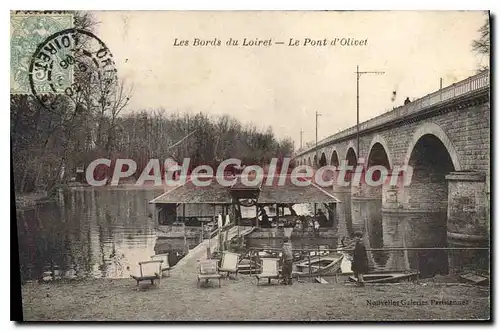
<point>481,46</point>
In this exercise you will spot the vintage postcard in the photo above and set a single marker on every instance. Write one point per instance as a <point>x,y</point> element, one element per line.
<point>251,165</point>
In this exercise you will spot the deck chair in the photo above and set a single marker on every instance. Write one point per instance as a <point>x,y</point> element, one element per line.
<point>230,263</point>
<point>269,269</point>
<point>165,266</point>
<point>208,270</point>
<point>149,270</point>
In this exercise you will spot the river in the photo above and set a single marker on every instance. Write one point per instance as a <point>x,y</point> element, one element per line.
<point>90,232</point>
<point>104,233</point>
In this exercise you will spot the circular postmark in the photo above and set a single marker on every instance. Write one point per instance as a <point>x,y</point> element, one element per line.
<point>73,66</point>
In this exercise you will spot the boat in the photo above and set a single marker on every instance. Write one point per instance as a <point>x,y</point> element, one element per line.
<point>387,277</point>
<point>319,265</point>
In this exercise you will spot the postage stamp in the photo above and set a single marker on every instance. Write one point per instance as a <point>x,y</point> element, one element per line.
<point>27,32</point>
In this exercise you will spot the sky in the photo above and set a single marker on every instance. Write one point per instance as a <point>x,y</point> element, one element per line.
<point>284,86</point>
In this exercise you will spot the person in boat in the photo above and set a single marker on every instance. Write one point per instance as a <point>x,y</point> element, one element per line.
<point>287,261</point>
<point>360,258</point>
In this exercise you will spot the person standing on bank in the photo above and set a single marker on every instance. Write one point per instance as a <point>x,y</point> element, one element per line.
<point>360,258</point>
<point>287,258</point>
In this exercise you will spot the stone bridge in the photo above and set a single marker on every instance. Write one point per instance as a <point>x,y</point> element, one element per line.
<point>445,136</point>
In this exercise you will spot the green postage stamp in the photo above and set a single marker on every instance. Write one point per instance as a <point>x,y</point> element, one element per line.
<point>27,32</point>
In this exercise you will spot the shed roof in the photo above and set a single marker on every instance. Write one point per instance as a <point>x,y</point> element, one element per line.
<point>216,193</point>
<point>291,193</point>
<point>190,193</point>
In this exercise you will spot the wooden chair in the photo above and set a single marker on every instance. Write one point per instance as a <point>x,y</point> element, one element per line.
<point>270,269</point>
<point>208,269</point>
<point>149,270</point>
<point>230,263</point>
<point>165,266</point>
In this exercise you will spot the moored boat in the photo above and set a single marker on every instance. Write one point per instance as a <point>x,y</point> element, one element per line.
<point>319,265</point>
<point>387,277</point>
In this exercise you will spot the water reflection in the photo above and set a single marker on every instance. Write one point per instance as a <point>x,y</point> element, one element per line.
<point>105,233</point>
<point>88,232</point>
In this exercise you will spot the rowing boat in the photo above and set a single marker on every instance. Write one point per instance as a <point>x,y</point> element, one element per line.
<point>387,277</point>
<point>320,265</point>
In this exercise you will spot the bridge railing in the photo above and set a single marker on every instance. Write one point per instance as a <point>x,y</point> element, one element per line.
<point>473,83</point>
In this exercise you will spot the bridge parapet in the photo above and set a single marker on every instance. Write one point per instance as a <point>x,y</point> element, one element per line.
<point>468,85</point>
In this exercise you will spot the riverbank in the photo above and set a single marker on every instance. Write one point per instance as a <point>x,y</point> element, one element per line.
<point>179,299</point>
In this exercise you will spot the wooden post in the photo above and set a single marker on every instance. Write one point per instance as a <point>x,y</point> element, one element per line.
<point>277,214</point>
<point>309,260</point>
<point>186,248</point>
<point>257,215</point>
<point>418,266</point>
<point>202,231</point>
<point>209,249</point>
<point>156,215</point>
<point>250,255</point>
<point>319,263</point>
<point>314,220</point>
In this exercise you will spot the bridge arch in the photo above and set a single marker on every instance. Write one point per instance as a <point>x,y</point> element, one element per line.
<point>322,160</point>
<point>334,158</point>
<point>379,152</point>
<point>378,157</point>
<point>351,156</point>
<point>309,161</point>
<point>434,130</point>
<point>315,161</point>
<point>432,156</point>
<point>350,151</point>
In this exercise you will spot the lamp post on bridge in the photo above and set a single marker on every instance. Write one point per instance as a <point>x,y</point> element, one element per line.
<point>358,74</point>
<point>316,149</point>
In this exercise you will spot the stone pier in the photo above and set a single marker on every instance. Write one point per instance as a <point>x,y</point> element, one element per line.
<point>467,224</point>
